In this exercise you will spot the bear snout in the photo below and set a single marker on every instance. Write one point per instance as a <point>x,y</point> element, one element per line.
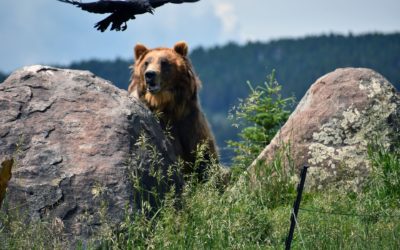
<point>152,81</point>
<point>150,76</point>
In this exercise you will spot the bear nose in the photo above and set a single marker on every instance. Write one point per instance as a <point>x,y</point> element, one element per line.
<point>150,76</point>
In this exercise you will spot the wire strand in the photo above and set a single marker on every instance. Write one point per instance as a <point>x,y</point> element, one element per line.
<point>348,214</point>
<point>298,229</point>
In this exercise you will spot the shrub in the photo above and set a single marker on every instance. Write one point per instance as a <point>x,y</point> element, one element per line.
<point>260,116</point>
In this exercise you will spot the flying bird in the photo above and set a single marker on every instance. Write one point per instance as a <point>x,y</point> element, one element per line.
<point>121,10</point>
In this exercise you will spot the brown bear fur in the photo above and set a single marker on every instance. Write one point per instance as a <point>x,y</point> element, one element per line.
<point>164,79</point>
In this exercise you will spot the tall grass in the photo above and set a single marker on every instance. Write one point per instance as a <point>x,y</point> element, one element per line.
<point>17,233</point>
<point>244,216</point>
<point>241,216</point>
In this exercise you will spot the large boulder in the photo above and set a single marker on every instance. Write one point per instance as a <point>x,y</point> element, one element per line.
<point>331,128</point>
<point>81,146</point>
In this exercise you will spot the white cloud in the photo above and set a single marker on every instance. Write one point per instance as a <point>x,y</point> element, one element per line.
<point>226,12</point>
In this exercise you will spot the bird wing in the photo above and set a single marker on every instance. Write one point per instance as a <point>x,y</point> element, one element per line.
<point>110,6</point>
<point>158,3</point>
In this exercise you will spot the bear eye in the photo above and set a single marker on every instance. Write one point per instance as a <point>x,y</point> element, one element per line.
<point>165,64</point>
<point>147,62</point>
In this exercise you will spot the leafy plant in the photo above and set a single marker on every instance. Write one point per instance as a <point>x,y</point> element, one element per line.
<point>260,116</point>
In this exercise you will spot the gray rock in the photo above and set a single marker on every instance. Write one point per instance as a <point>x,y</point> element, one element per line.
<point>333,124</point>
<point>81,146</point>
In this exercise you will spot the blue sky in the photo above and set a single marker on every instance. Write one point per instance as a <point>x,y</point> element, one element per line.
<point>50,32</point>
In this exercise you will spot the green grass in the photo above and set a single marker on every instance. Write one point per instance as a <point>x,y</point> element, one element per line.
<point>256,216</point>
<point>242,215</point>
<point>17,233</point>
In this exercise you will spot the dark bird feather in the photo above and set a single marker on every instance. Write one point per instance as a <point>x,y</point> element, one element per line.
<point>121,10</point>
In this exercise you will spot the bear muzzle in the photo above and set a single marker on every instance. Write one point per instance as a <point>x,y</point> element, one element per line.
<point>153,82</point>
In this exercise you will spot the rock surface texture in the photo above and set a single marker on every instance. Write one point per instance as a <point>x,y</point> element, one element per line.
<point>333,124</point>
<point>79,145</point>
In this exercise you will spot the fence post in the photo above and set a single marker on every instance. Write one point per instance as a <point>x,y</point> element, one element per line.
<point>296,207</point>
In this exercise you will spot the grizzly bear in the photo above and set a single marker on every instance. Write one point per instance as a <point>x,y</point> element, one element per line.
<point>164,79</point>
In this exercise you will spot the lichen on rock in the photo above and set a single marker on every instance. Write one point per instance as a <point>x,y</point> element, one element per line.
<point>346,111</point>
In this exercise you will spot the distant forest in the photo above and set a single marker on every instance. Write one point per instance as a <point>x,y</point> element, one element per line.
<point>224,70</point>
<point>2,77</point>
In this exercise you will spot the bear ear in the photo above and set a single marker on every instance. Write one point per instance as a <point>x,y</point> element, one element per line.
<point>181,48</point>
<point>140,49</point>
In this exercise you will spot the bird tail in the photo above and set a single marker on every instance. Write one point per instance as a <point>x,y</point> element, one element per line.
<point>103,24</point>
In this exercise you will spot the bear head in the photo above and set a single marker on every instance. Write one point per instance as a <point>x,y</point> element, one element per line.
<point>164,78</point>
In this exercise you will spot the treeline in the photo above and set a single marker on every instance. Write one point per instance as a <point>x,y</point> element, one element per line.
<point>2,77</point>
<point>298,63</point>
<point>224,70</point>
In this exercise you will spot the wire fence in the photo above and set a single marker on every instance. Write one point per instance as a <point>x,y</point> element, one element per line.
<point>339,213</point>
<point>332,225</point>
